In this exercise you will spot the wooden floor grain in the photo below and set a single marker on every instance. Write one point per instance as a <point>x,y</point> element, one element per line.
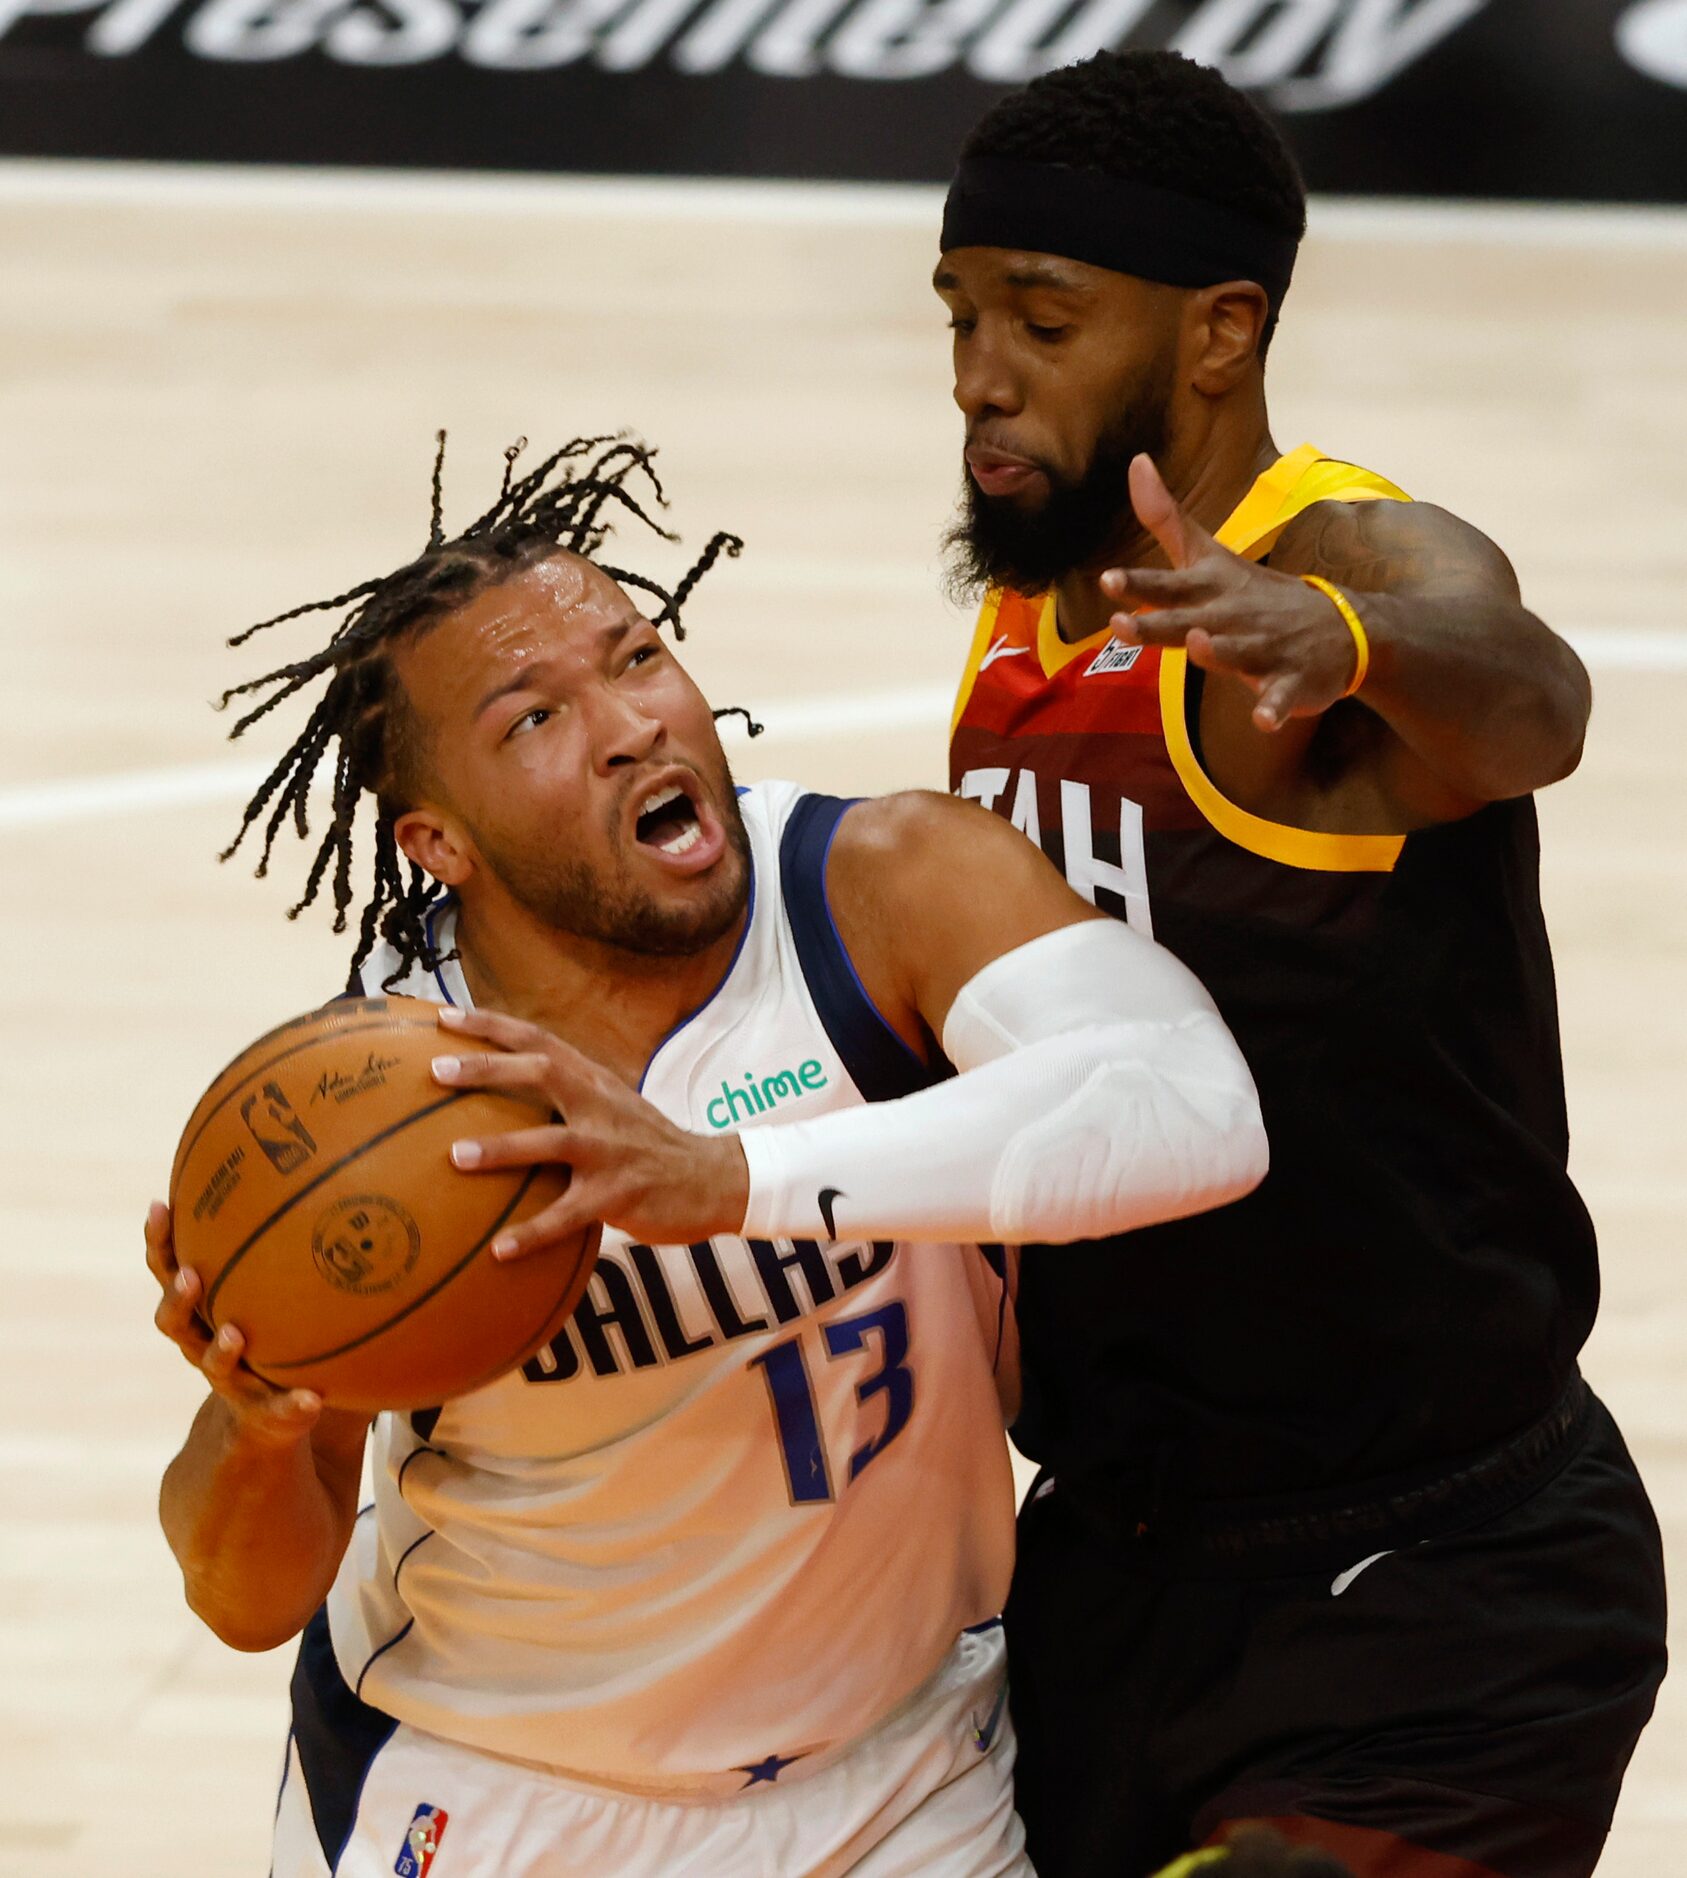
<point>218,399</point>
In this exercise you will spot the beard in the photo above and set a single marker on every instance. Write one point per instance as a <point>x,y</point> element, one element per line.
<point>996,543</point>
<point>615,910</point>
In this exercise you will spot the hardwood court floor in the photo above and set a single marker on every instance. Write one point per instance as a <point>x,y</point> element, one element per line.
<point>217,398</point>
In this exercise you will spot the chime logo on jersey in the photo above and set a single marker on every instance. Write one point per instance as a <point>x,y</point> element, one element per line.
<point>761,1093</point>
<point>421,1842</point>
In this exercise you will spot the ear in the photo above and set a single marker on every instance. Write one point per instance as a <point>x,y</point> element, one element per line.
<point>436,844</point>
<point>1226,325</point>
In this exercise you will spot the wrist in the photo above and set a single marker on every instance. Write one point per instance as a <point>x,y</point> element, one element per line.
<point>726,1184</point>
<point>1347,608</point>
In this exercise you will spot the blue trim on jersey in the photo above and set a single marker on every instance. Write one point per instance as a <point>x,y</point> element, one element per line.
<point>732,965</point>
<point>403,1560</point>
<point>404,1465</point>
<point>427,928</point>
<point>880,1064</point>
<point>281,1792</point>
<point>391,1643</point>
<point>337,1735</point>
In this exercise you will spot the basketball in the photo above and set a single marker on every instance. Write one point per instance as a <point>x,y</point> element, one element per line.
<point>314,1196</point>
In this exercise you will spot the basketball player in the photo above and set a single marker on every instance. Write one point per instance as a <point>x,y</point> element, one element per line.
<point>1329,1528</point>
<point>710,1584</point>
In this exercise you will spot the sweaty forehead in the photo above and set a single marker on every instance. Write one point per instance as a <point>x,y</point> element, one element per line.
<point>560,597</point>
<point>557,608</point>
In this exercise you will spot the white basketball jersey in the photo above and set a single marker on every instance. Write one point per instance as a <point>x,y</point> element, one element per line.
<point>744,1503</point>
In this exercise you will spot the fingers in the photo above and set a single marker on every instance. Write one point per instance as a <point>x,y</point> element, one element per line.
<point>1181,540</point>
<point>177,1317</point>
<point>1248,656</point>
<point>521,1147</point>
<point>1278,702</point>
<point>525,1058</point>
<point>498,1069</point>
<point>265,1412</point>
<point>222,1357</point>
<point>560,1222</point>
<point>1169,626</point>
<point>160,1251</point>
<point>509,1033</point>
<point>1162,586</point>
<point>270,1416</point>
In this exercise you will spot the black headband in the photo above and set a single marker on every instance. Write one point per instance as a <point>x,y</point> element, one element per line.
<point>1131,228</point>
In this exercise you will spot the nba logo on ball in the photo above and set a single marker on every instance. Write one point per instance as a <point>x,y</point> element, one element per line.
<point>421,1842</point>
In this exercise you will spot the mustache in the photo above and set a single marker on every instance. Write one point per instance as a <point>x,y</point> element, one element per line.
<point>997,542</point>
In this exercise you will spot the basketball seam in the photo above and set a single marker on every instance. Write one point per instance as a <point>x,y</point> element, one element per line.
<point>529,1346</point>
<point>416,1303</point>
<point>345,1161</point>
<point>385,1022</point>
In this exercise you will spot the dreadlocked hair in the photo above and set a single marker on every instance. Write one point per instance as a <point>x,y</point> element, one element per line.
<point>567,504</point>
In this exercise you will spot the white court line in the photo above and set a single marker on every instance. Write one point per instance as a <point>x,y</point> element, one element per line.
<point>129,792</point>
<point>782,203</point>
<point>812,720</point>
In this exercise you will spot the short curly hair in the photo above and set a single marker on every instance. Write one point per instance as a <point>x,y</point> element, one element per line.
<point>1153,117</point>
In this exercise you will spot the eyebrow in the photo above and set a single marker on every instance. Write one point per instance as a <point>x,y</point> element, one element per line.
<point>1045,274</point>
<point>522,679</point>
<point>1036,274</point>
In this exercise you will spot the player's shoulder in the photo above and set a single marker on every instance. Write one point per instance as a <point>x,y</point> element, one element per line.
<point>1377,544</point>
<point>919,844</point>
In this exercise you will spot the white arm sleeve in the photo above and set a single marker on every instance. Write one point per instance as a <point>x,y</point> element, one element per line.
<point>1099,1090</point>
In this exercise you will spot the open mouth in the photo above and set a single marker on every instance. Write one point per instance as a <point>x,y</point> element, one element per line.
<point>669,822</point>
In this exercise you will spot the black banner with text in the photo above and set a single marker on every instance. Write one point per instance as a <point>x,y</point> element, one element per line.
<point>1575,99</point>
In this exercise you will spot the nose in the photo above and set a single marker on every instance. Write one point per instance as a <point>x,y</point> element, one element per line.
<point>623,730</point>
<point>985,383</point>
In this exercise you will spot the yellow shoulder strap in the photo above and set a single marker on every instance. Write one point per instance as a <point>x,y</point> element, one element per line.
<point>1293,483</point>
<point>981,634</point>
<point>1192,1862</point>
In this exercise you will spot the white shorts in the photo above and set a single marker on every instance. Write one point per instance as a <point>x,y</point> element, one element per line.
<point>926,1794</point>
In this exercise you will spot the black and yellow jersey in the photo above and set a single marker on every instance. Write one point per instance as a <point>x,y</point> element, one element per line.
<point>1415,1276</point>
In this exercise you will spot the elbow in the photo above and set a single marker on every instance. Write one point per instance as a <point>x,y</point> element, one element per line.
<point>1240,1152</point>
<point>1562,714</point>
<point>1571,746</point>
<point>1250,1155</point>
<point>251,1632</point>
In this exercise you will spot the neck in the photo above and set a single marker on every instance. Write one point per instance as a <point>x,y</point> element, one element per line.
<point>1207,485</point>
<point>614,1006</point>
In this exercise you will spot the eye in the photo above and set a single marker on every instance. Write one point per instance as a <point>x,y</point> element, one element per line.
<point>1045,333</point>
<point>644,654</point>
<point>528,720</point>
<point>961,326</point>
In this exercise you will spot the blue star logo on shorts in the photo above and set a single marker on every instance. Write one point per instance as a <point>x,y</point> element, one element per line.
<point>768,1770</point>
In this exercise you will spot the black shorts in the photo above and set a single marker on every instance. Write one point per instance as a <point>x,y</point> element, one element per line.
<point>1466,1703</point>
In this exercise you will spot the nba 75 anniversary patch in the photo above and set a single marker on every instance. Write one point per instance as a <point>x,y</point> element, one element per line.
<point>421,1842</point>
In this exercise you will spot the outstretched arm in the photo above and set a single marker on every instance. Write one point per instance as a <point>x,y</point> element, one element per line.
<point>1469,698</point>
<point>1099,1089</point>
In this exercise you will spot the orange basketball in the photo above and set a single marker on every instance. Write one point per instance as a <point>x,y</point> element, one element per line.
<point>313,1194</point>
